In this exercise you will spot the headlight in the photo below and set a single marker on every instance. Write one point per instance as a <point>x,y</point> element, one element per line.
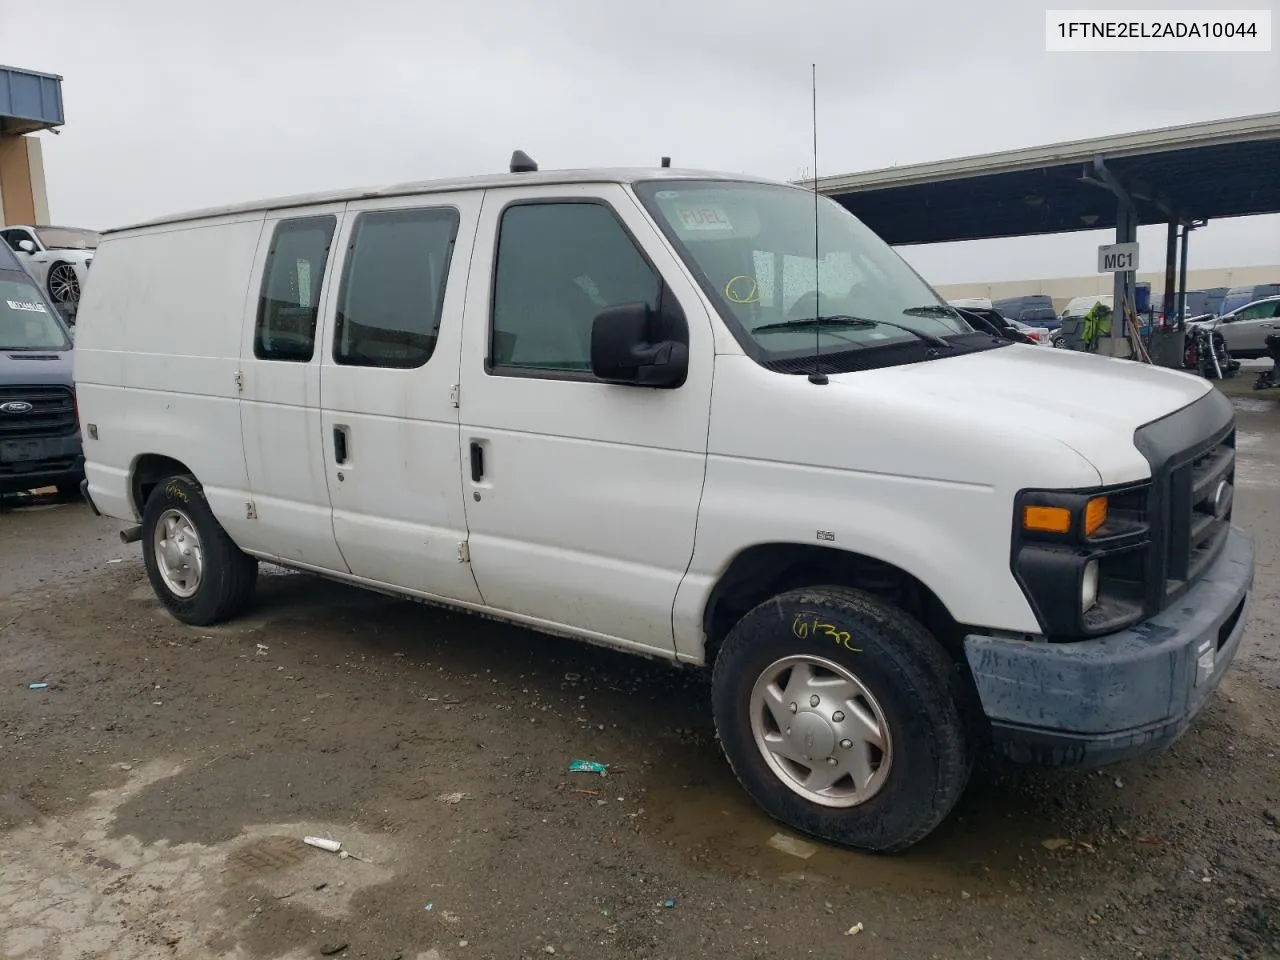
<point>1089,587</point>
<point>1080,557</point>
<point>1086,516</point>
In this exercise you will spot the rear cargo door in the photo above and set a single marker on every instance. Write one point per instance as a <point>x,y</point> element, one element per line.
<point>280,389</point>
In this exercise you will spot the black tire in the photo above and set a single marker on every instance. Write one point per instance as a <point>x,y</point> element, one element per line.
<point>915,684</point>
<point>229,575</point>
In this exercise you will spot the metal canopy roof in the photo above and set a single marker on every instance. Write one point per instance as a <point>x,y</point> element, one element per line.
<point>29,101</point>
<point>1225,168</point>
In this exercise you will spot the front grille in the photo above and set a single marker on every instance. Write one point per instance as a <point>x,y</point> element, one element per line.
<point>1199,512</point>
<point>53,413</point>
<point>60,465</point>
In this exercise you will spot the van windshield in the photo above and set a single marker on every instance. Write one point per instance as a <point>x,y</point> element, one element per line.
<point>26,321</point>
<point>751,246</point>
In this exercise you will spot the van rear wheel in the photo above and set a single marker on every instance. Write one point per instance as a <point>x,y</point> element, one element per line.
<point>841,716</point>
<point>194,567</point>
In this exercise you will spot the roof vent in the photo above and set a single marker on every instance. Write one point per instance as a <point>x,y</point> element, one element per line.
<point>521,162</point>
<point>666,162</point>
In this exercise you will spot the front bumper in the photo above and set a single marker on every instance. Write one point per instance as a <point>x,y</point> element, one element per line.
<point>62,464</point>
<point>1096,701</point>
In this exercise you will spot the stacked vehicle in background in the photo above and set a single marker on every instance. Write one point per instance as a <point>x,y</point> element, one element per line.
<point>1246,328</point>
<point>58,259</point>
<point>39,430</point>
<point>1034,310</point>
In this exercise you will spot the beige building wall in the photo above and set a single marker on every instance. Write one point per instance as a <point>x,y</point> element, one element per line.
<point>1063,289</point>
<point>23,197</point>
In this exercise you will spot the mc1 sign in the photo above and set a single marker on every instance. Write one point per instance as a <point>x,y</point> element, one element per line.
<point>1117,257</point>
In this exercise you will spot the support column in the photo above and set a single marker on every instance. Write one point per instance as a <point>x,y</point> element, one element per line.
<point>1182,280</point>
<point>1117,345</point>
<point>1170,270</point>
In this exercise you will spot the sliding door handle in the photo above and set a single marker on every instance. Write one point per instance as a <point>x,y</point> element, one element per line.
<point>340,445</point>
<point>477,462</point>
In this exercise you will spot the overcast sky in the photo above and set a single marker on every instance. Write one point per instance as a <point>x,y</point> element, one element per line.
<point>171,106</point>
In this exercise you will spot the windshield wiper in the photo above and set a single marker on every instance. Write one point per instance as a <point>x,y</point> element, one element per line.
<point>847,320</point>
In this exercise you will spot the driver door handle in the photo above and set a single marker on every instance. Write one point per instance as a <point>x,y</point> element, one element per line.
<point>477,462</point>
<point>340,445</point>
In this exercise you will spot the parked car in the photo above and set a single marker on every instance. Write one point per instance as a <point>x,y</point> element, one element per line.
<point>1038,335</point>
<point>39,433</point>
<point>1201,320</point>
<point>1076,310</point>
<point>57,257</point>
<point>1246,328</point>
<point>1034,309</point>
<point>1080,306</point>
<point>988,321</point>
<point>1238,297</point>
<point>580,401</point>
<point>998,324</point>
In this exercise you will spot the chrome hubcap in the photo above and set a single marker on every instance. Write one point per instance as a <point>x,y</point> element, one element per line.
<point>179,557</point>
<point>821,731</point>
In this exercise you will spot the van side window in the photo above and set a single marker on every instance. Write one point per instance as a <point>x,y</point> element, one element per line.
<point>558,265</point>
<point>393,287</point>
<point>291,283</point>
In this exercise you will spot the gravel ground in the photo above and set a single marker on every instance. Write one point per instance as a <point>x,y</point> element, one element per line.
<point>153,797</point>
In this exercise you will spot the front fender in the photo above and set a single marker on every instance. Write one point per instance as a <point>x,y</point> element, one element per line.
<point>952,537</point>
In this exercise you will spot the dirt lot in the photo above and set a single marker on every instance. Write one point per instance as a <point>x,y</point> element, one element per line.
<point>153,798</point>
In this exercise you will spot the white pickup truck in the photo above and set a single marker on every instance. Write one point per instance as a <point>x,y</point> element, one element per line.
<point>632,407</point>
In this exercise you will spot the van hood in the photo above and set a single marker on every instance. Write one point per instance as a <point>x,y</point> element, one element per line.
<point>36,368</point>
<point>1090,403</point>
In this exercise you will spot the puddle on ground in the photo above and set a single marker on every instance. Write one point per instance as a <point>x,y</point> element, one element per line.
<point>716,825</point>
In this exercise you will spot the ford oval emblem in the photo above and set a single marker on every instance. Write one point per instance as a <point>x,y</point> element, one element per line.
<point>16,406</point>
<point>1221,500</point>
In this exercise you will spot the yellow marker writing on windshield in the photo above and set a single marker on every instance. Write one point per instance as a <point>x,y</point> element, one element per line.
<point>733,290</point>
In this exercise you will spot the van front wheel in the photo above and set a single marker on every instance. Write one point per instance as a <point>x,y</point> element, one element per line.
<point>194,567</point>
<point>841,717</point>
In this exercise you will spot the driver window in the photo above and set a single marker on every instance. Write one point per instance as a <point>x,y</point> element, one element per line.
<point>291,282</point>
<point>558,265</point>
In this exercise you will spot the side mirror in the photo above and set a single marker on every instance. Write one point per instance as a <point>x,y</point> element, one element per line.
<point>26,246</point>
<point>623,349</point>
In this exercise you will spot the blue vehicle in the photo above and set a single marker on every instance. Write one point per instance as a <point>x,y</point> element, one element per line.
<point>1035,310</point>
<point>39,428</point>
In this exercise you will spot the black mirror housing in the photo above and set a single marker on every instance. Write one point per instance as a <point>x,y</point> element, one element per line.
<point>626,347</point>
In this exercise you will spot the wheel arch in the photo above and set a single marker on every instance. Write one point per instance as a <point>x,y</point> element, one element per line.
<point>764,570</point>
<point>147,470</point>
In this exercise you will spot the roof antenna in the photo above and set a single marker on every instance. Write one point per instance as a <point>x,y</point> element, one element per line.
<point>666,162</point>
<point>521,162</point>
<point>816,376</point>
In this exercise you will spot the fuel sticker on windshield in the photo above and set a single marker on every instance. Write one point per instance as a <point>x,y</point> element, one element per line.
<point>703,218</point>
<point>27,305</point>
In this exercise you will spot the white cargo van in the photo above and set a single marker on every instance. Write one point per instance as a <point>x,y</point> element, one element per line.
<point>591,402</point>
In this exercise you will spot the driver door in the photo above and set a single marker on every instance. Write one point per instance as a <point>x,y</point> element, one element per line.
<point>581,496</point>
